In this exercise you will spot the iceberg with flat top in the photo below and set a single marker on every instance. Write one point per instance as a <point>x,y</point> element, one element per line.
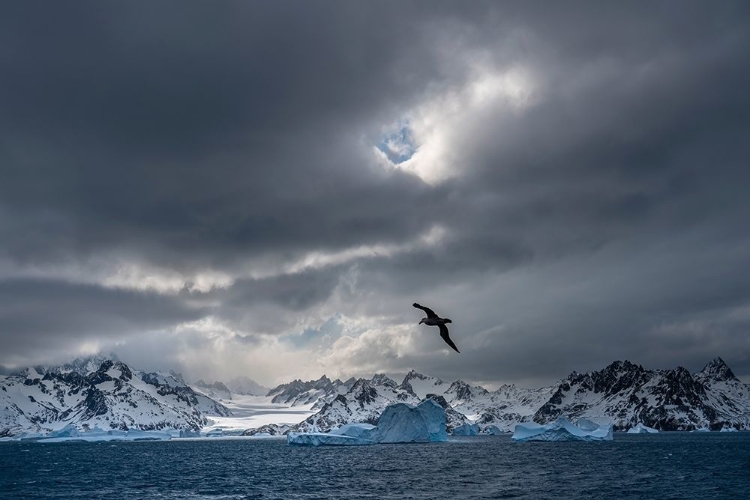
<point>642,429</point>
<point>562,430</point>
<point>399,423</point>
<point>346,435</point>
<point>72,433</point>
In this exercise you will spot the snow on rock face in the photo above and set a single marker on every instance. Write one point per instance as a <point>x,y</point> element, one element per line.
<point>453,419</point>
<point>246,387</point>
<point>216,390</point>
<point>561,430</point>
<point>669,400</point>
<point>504,408</point>
<point>716,371</point>
<point>363,402</point>
<point>622,393</point>
<point>422,385</point>
<point>316,392</point>
<point>110,397</point>
<point>399,423</point>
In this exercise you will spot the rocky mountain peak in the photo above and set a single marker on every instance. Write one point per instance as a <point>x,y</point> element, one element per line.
<point>217,386</point>
<point>414,375</point>
<point>464,392</point>
<point>382,379</point>
<point>363,392</point>
<point>716,371</point>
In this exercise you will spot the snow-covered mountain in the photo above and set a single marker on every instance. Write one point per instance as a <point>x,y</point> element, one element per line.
<point>217,390</point>
<point>314,392</point>
<point>503,408</point>
<point>363,402</point>
<point>623,394</point>
<point>107,393</point>
<point>367,398</point>
<point>243,386</point>
<point>627,394</point>
<point>246,386</point>
<point>110,396</point>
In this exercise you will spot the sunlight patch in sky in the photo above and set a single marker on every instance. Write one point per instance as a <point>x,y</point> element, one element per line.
<point>432,139</point>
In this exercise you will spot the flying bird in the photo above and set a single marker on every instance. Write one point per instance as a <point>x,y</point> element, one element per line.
<point>433,319</point>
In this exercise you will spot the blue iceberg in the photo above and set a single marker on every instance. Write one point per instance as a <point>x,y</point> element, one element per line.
<point>71,433</point>
<point>562,430</point>
<point>399,423</point>
<point>493,430</point>
<point>466,430</point>
<point>403,423</point>
<point>642,429</point>
<point>346,435</point>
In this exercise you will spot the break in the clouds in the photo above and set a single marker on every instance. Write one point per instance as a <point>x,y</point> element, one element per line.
<point>264,189</point>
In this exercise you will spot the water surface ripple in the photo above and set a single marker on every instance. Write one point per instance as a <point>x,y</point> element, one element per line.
<point>667,465</point>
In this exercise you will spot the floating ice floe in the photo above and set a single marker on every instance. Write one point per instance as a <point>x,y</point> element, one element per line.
<point>346,435</point>
<point>728,429</point>
<point>466,430</point>
<point>702,429</point>
<point>399,423</point>
<point>71,433</point>
<point>562,430</point>
<point>642,429</point>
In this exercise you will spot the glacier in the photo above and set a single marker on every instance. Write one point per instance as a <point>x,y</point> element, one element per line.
<point>562,430</point>
<point>642,429</point>
<point>399,423</point>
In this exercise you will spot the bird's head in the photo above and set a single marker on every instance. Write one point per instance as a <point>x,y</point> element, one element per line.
<point>448,321</point>
<point>421,321</point>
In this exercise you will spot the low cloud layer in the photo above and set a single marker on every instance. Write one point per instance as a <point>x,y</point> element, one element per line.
<point>265,189</point>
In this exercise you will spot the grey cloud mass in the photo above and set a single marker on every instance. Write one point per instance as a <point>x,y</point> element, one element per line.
<point>199,186</point>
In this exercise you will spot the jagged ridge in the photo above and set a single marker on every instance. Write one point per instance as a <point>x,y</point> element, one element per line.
<point>111,397</point>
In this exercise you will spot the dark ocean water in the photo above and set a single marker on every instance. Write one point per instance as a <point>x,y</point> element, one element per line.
<point>668,465</point>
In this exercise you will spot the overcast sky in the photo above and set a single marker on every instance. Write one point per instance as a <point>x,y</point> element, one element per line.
<point>264,188</point>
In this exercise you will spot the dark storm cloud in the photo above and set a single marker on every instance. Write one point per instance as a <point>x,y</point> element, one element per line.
<point>214,129</point>
<point>599,222</point>
<point>271,305</point>
<point>49,314</point>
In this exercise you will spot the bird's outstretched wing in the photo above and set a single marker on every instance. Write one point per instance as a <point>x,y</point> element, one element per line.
<point>447,338</point>
<point>430,312</point>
